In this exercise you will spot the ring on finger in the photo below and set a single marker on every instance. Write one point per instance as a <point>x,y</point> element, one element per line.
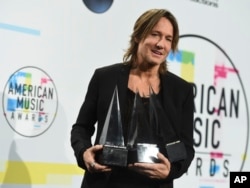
<point>92,164</point>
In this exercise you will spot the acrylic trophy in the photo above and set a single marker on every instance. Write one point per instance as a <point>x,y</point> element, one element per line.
<point>141,140</point>
<point>169,144</point>
<point>114,151</point>
<point>151,132</point>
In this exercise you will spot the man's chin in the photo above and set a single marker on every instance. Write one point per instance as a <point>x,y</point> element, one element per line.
<point>155,63</point>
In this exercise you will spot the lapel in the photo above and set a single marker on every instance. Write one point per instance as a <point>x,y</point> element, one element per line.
<point>168,103</point>
<point>123,86</point>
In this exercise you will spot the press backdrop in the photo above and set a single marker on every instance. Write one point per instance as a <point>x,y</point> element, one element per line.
<point>50,48</point>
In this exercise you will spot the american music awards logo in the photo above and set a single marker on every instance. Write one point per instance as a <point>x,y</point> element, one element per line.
<point>221,117</point>
<point>30,101</point>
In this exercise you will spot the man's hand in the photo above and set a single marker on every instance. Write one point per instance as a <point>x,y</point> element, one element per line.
<point>159,170</point>
<point>89,160</point>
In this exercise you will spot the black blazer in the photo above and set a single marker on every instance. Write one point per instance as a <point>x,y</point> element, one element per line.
<point>177,102</point>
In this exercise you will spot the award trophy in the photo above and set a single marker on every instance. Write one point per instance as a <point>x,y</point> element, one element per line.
<point>151,132</point>
<point>141,139</point>
<point>114,151</point>
<point>169,144</point>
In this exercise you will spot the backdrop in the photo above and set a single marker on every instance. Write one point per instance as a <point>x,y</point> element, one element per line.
<point>50,48</point>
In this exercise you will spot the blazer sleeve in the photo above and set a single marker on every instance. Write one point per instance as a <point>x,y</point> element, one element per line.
<point>185,132</point>
<point>84,127</point>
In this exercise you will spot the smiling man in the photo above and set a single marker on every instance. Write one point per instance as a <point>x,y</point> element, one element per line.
<point>144,70</point>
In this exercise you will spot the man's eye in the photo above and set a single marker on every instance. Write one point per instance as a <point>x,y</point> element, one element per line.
<point>155,34</point>
<point>169,39</point>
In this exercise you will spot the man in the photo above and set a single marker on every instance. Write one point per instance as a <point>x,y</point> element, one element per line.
<point>155,34</point>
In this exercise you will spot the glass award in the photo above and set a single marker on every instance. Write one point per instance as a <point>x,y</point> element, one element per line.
<point>151,132</point>
<point>114,151</point>
<point>142,138</point>
<point>168,144</point>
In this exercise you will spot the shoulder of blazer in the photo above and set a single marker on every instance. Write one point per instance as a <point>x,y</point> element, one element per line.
<point>175,81</point>
<point>112,68</point>
<point>109,76</point>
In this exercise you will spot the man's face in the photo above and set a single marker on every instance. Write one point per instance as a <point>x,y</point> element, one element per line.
<point>155,47</point>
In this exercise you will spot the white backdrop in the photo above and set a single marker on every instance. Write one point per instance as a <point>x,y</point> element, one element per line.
<point>61,42</point>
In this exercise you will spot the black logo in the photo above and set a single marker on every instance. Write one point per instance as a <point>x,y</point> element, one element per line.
<point>239,179</point>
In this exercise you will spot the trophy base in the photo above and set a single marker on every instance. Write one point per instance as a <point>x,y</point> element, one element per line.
<point>113,156</point>
<point>143,153</point>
